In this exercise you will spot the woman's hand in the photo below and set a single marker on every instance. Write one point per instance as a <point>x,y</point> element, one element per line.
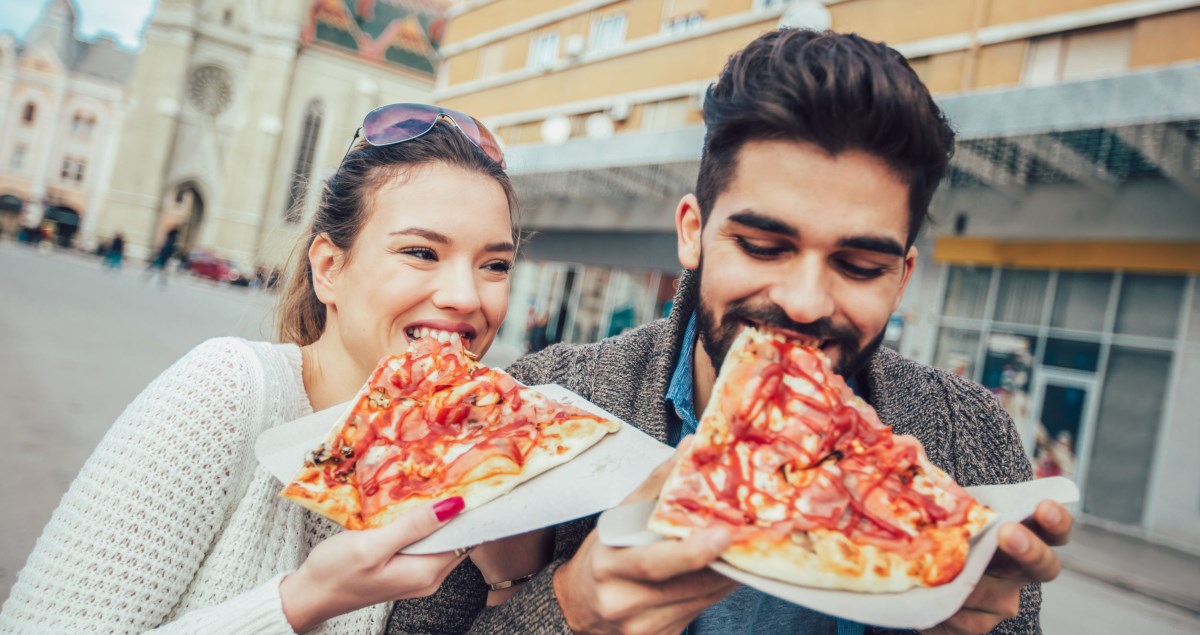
<point>359,568</point>
<point>512,558</point>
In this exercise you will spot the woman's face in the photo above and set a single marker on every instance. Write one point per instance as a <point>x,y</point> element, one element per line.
<point>434,256</point>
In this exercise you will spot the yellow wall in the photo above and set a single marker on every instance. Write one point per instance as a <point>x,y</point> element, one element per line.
<point>690,60</point>
<point>1141,256</point>
<point>1005,11</point>
<point>494,15</point>
<point>1000,64</point>
<point>1167,38</point>
<point>895,21</point>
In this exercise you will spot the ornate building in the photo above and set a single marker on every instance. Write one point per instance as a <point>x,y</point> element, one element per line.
<point>62,101</point>
<point>239,109</point>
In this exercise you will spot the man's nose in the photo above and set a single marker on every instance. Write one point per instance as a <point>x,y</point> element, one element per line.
<point>803,291</point>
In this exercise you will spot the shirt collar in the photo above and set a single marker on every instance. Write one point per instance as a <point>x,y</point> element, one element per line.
<point>680,392</point>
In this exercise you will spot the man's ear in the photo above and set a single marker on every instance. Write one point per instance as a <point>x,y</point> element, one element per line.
<point>324,258</point>
<point>910,263</point>
<point>688,227</point>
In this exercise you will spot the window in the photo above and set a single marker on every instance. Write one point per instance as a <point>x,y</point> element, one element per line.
<point>18,157</point>
<point>1126,433</point>
<point>1078,55</point>
<point>73,169</point>
<point>956,351</point>
<point>1081,300</point>
<point>1021,296</point>
<point>302,171</point>
<point>607,33</point>
<point>966,292</point>
<point>768,4</point>
<point>83,124</point>
<point>30,113</point>
<point>491,60</point>
<point>664,115</point>
<point>1149,305</point>
<point>684,22</point>
<point>543,51</point>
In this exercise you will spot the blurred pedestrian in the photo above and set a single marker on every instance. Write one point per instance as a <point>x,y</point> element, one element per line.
<point>173,523</point>
<point>115,253</point>
<point>46,236</point>
<point>163,257</point>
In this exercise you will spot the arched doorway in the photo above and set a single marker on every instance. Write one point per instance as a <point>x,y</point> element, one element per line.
<point>66,223</point>
<point>10,214</point>
<point>182,208</point>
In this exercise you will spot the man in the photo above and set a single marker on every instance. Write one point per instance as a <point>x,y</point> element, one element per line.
<point>821,156</point>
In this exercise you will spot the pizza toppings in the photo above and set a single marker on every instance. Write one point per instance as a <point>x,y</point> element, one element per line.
<point>434,423</point>
<point>786,454</point>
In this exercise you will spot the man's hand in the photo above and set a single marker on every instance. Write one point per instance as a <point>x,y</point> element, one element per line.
<point>658,588</point>
<point>1024,557</point>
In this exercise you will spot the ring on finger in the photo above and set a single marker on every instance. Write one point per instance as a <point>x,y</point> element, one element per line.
<point>462,551</point>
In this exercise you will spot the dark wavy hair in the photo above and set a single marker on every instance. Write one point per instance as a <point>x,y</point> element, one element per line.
<point>839,92</point>
<point>342,212</point>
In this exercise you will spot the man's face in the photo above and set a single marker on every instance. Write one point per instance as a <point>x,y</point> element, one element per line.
<point>802,242</point>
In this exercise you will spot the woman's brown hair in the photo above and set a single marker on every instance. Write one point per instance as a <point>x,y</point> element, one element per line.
<point>342,212</point>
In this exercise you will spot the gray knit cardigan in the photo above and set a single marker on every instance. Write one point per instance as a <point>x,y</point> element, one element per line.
<point>964,429</point>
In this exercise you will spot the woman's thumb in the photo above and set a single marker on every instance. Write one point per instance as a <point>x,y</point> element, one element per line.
<point>420,522</point>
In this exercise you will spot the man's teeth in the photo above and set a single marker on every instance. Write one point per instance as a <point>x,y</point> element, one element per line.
<point>437,334</point>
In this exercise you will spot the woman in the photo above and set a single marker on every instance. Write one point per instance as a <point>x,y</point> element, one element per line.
<point>172,524</point>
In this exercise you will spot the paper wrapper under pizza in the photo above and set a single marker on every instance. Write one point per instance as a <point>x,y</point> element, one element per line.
<point>816,490</point>
<point>432,424</point>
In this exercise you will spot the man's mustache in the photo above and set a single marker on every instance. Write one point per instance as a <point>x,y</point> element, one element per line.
<point>773,316</point>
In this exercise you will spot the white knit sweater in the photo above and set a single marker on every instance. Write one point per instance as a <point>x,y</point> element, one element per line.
<point>172,524</point>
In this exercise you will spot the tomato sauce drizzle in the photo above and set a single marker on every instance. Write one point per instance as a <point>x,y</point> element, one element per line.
<point>861,484</point>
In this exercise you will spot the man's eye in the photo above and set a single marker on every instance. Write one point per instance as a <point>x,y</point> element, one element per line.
<point>758,251</point>
<point>862,273</point>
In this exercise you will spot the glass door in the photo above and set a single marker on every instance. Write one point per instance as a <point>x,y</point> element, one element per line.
<point>1064,407</point>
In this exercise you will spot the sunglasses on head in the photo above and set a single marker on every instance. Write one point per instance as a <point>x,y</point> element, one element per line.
<point>397,123</point>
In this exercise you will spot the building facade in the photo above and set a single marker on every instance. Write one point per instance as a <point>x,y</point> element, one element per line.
<point>62,103</point>
<point>241,110</point>
<point>1060,267</point>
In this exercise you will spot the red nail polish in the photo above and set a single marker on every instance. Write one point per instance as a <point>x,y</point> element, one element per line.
<point>448,508</point>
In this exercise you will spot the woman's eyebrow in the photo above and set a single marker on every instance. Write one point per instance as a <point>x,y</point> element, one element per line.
<point>427,234</point>
<point>501,247</point>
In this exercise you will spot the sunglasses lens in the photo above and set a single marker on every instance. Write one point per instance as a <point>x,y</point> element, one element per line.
<point>398,123</point>
<point>479,134</point>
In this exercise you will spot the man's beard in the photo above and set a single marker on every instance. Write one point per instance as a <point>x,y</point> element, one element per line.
<point>717,338</point>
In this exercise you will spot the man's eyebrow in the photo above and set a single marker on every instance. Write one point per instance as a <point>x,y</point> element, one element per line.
<point>881,244</point>
<point>427,234</point>
<point>762,222</point>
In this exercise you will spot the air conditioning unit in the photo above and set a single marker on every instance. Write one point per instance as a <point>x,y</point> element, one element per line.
<point>575,46</point>
<point>620,110</point>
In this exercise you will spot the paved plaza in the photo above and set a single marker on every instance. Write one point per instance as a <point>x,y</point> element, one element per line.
<point>77,343</point>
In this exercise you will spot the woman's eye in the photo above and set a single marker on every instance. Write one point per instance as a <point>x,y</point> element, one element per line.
<point>861,273</point>
<point>423,253</point>
<point>499,266</point>
<point>758,251</point>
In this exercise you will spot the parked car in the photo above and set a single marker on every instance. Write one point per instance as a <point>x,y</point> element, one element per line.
<point>206,265</point>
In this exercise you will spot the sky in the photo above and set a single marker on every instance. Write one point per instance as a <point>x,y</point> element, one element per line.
<point>122,19</point>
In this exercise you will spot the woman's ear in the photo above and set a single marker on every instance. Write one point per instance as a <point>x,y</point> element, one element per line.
<point>324,258</point>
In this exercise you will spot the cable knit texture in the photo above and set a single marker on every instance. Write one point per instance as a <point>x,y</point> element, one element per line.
<point>172,525</point>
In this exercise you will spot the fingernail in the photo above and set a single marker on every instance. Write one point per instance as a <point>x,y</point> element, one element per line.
<point>1053,516</point>
<point>1018,542</point>
<point>448,508</point>
<point>719,540</point>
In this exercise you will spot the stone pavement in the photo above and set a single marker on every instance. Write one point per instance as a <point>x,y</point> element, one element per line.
<point>1125,562</point>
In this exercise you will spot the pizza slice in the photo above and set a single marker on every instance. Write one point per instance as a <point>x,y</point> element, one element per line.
<point>816,490</point>
<point>435,423</point>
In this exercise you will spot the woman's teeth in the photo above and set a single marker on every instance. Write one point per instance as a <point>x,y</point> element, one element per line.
<point>439,335</point>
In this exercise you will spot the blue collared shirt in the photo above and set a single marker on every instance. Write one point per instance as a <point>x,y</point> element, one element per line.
<point>745,611</point>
